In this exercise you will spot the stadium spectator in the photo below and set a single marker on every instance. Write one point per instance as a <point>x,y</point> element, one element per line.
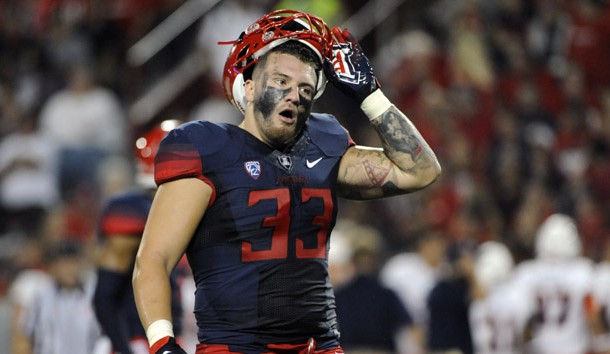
<point>371,318</point>
<point>449,302</point>
<point>412,275</point>
<point>28,179</point>
<point>87,123</point>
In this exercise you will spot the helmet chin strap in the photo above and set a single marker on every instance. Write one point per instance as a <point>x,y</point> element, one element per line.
<point>239,93</point>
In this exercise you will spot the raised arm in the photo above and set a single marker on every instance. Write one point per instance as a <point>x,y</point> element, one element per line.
<point>406,162</point>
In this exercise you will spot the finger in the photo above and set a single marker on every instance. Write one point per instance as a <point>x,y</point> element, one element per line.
<point>347,36</point>
<point>338,34</point>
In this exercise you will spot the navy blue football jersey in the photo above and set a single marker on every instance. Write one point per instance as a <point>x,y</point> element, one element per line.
<point>259,254</point>
<point>125,216</point>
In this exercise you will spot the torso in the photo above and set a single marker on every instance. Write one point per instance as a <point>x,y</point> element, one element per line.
<point>259,255</point>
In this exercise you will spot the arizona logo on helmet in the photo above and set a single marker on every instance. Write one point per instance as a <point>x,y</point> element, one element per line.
<point>342,53</point>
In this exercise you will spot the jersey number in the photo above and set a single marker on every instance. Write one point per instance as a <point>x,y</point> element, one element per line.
<point>280,223</point>
<point>553,308</point>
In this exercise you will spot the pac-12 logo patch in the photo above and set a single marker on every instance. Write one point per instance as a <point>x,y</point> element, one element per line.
<point>253,168</point>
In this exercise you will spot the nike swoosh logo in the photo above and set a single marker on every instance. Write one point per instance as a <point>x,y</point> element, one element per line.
<point>167,352</point>
<point>311,164</point>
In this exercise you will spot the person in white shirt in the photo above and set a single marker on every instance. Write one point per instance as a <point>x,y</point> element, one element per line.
<point>87,122</point>
<point>411,275</point>
<point>28,178</point>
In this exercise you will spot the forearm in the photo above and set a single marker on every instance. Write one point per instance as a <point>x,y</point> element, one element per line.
<point>402,142</point>
<point>152,291</point>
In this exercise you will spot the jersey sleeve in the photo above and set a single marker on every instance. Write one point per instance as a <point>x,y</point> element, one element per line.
<point>191,151</point>
<point>177,158</point>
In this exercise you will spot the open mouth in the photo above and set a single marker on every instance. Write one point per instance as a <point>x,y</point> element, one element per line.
<point>290,115</point>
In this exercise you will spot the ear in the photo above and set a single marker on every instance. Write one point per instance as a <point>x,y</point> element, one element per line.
<point>249,90</point>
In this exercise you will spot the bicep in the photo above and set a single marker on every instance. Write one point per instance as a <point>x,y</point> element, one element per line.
<point>367,173</point>
<point>174,215</point>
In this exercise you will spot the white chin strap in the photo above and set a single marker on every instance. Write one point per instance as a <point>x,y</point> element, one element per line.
<point>239,93</point>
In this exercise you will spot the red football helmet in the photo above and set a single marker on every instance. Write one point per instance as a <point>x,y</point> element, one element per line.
<point>270,31</point>
<point>147,146</point>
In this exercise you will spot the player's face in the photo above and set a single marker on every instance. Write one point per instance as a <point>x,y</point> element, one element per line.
<point>283,96</point>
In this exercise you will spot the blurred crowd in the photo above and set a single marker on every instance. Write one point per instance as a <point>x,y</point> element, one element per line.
<point>512,95</point>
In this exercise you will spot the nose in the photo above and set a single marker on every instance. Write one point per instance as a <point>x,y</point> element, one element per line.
<point>292,94</point>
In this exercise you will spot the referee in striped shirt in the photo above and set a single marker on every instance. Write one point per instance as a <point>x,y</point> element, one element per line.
<point>60,318</point>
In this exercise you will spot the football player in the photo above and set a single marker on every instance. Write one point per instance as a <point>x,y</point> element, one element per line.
<point>120,230</point>
<point>497,319</point>
<point>253,205</point>
<point>558,285</point>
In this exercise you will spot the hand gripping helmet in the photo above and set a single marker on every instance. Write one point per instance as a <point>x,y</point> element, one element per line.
<point>268,32</point>
<point>147,146</point>
<point>557,238</point>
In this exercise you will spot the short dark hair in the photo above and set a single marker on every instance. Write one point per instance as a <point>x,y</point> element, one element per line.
<point>295,48</point>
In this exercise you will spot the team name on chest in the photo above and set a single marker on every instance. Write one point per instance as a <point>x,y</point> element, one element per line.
<point>291,180</point>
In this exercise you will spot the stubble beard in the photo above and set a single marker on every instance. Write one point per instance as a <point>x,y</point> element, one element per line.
<point>278,134</point>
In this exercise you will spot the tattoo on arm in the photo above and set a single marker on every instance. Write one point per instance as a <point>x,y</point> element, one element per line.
<point>402,142</point>
<point>376,173</point>
<point>405,164</point>
<point>369,168</point>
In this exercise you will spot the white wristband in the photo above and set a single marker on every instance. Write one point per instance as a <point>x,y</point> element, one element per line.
<point>159,329</point>
<point>375,104</point>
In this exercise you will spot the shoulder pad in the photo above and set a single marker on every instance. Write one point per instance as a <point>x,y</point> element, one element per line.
<point>328,134</point>
<point>194,149</point>
<point>208,137</point>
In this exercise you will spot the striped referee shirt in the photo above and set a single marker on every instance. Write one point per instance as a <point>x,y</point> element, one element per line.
<point>61,320</point>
